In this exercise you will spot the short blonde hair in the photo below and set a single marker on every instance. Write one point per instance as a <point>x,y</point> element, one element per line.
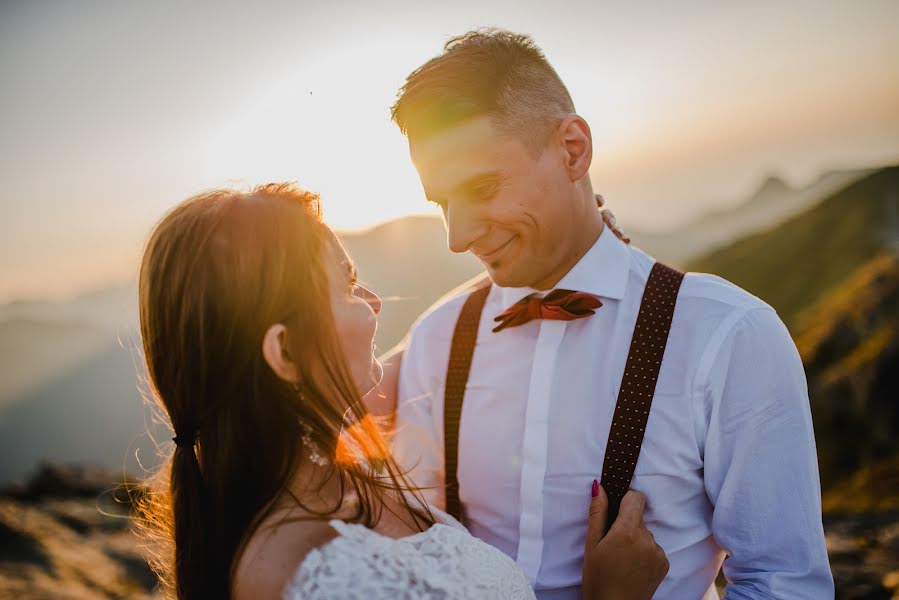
<point>491,72</point>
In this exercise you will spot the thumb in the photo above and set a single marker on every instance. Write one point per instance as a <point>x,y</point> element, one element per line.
<point>599,512</point>
<point>630,515</point>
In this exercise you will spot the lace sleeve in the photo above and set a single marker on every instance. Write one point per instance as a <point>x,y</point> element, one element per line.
<point>442,563</point>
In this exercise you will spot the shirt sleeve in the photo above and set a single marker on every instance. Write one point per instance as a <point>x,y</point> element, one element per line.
<point>761,468</point>
<point>418,439</point>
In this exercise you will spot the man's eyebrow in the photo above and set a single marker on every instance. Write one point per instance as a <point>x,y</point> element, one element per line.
<point>480,179</point>
<point>471,183</point>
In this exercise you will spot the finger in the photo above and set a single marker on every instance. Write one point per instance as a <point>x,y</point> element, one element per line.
<point>596,520</point>
<point>630,515</point>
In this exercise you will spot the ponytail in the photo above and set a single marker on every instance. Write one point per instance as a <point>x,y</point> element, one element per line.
<point>193,551</point>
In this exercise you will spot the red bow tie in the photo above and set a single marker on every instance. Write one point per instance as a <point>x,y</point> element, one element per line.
<point>558,305</point>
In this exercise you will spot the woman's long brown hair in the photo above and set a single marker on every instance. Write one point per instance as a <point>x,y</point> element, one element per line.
<point>218,271</point>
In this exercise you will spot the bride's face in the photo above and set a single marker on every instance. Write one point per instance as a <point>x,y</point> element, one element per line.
<point>354,308</point>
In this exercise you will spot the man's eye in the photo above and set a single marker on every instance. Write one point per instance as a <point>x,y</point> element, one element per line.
<point>485,193</point>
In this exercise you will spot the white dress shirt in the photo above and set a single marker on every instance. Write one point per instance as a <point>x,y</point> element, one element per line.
<point>728,463</point>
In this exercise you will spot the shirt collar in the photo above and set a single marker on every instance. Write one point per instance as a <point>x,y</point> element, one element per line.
<point>602,271</point>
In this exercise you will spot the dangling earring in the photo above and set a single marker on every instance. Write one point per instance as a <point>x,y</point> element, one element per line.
<point>315,455</point>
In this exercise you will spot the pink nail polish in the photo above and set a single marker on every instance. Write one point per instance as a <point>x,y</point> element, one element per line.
<point>594,492</point>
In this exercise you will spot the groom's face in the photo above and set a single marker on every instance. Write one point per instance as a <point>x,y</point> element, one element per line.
<point>508,206</point>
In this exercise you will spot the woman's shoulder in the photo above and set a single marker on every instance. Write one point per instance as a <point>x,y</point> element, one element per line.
<point>442,561</point>
<point>360,563</point>
<point>274,553</point>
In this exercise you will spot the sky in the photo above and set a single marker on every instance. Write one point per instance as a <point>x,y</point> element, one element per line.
<point>112,112</point>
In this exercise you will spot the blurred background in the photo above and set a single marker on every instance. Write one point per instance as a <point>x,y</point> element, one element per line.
<point>758,141</point>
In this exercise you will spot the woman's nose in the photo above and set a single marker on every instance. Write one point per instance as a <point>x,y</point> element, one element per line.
<point>370,297</point>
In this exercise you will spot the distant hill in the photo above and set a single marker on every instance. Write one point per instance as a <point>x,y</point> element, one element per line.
<point>795,263</point>
<point>40,340</point>
<point>68,382</point>
<point>33,352</point>
<point>772,203</point>
<point>92,413</point>
<point>108,308</point>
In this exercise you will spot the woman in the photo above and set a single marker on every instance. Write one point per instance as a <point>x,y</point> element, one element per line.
<point>259,347</point>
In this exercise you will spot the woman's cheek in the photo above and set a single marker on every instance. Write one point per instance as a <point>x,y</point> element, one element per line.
<point>344,327</point>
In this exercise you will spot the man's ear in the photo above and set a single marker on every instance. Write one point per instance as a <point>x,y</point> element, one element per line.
<point>274,349</point>
<point>576,142</point>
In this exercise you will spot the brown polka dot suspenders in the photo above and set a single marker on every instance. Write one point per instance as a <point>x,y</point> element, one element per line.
<point>638,385</point>
<point>641,372</point>
<point>464,338</point>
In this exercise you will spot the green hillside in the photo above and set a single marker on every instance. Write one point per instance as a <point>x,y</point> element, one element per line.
<point>850,349</point>
<point>795,263</point>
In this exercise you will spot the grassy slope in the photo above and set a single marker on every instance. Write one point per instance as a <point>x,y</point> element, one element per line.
<point>797,262</point>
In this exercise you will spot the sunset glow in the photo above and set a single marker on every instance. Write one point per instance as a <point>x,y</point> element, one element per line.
<point>112,114</point>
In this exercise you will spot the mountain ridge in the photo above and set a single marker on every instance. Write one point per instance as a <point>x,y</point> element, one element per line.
<point>843,231</point>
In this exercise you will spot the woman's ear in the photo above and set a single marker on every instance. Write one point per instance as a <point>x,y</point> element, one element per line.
<point>274,349</point>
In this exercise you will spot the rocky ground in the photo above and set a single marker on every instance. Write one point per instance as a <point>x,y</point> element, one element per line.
<point>864,555</point>
<point>65,534</point>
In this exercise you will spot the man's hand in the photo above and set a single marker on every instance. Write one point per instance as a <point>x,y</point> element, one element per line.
<point>624,563</point>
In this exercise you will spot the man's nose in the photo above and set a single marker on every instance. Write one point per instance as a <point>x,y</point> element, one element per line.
<point>462,228</point>
<point>369,296</point>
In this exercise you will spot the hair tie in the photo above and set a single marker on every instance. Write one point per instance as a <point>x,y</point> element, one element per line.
<point>185,442</point>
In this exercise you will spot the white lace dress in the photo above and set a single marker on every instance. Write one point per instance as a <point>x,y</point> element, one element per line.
<point>445,562</point>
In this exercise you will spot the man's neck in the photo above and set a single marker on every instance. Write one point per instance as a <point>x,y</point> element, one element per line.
<point>587,236</point>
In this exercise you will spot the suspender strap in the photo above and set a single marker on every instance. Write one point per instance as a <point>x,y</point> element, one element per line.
<point>641,372</point>
<point>464,338</point>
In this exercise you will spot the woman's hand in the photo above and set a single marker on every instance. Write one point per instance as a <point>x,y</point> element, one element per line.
<point>623,563</point>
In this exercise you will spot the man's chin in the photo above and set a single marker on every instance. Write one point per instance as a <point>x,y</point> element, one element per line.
<point>504,276</point>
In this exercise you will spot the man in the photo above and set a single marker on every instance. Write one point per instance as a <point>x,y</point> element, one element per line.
<point>727,464</point>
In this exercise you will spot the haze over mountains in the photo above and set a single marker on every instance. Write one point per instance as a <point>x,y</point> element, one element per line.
<point>799,261</point>
<point>69,371</point>
<point>773,202</point>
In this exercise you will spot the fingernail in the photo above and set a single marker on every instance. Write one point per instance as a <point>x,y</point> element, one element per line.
<point>594,492</point>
